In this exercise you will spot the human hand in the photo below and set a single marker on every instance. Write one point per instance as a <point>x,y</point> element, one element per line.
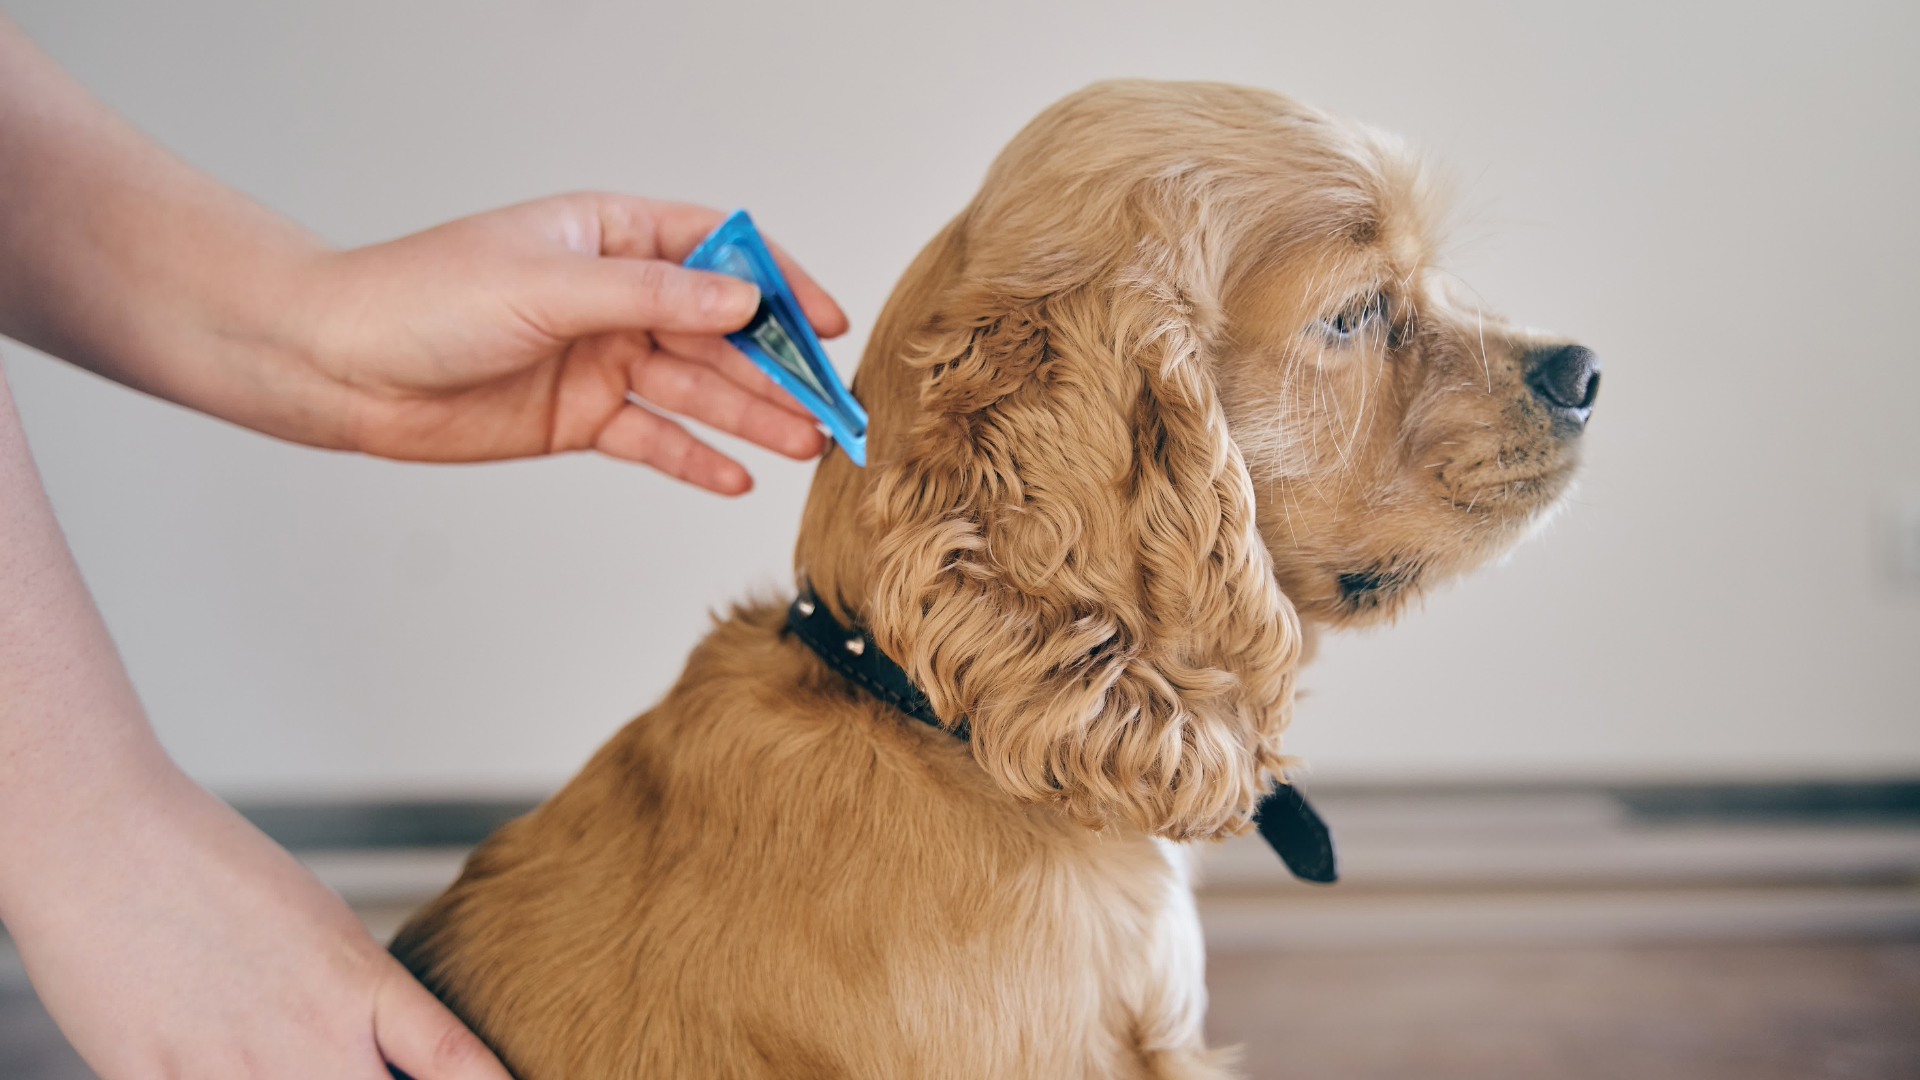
<point>185,943</point>
<point>507,334</point>
<point>523,331</point>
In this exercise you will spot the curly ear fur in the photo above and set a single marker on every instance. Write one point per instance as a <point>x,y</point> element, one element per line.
<point>1067,554</point>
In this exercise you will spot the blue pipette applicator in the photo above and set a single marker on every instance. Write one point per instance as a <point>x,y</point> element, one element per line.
<point>779,340</point>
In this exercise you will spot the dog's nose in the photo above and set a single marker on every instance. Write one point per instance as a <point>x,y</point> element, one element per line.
<point>1567,379</point>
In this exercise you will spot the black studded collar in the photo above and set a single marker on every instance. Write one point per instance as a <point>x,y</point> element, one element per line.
<point>1285,819</point>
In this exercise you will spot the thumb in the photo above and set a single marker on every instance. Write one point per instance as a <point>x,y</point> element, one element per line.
<point>422,1038</point>
<point>600,295</point>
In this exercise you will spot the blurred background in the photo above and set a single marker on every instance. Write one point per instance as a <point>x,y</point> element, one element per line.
<point>1591,797</point>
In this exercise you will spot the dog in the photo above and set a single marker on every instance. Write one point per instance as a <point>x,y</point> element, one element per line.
<point>1177,391</point>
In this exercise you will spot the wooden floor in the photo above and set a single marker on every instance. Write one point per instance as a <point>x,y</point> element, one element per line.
<point>1718,1011</point>
<point>1709,1011</point>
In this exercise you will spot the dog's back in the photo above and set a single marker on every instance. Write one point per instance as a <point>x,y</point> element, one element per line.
<point>767,875</point>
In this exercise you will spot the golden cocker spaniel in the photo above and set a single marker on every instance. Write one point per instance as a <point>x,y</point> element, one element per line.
<point>1179,387</point>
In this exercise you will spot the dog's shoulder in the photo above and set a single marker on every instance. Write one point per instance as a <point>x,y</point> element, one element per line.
<point>769,817</point>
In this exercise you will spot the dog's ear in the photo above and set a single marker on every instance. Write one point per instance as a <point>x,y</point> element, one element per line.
<point>1066,555</point>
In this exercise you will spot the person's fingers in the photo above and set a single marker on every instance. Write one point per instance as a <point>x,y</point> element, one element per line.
<point>698,391</point>
<point>720,354</point>
<point>638,435</point>
<point>602,295</point>
<point>422,1038</point>
<point>678,228</point>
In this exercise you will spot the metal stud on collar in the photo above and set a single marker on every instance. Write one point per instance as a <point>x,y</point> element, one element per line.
<point>805,605</point>
<point>856,646</point>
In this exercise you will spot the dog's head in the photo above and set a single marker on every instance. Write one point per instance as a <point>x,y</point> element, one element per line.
<point>1180,378</point>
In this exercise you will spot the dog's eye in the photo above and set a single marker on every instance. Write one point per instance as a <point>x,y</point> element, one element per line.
<point>1357,318</point>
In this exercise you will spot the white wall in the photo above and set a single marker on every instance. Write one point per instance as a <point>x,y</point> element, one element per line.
<point>1720,198</point>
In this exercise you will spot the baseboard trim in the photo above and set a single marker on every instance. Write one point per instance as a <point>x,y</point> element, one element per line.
<point>331,825</point>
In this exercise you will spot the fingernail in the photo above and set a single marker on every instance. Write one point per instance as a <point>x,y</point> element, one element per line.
<point>804,445</point>
<point>730,297</point>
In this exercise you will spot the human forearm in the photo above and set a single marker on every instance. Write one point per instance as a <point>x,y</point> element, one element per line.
<point>121,258</point>
<point>72,734</point>
<point>158,926</point>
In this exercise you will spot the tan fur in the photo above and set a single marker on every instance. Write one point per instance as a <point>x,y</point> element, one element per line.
<point>1121,469</point>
